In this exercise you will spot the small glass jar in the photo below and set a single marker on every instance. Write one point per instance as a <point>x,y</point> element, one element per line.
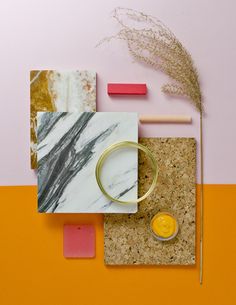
<point>164,226</point>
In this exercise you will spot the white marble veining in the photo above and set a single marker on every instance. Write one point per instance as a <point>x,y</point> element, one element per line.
<point>69,145</point>
<point>73,90</point>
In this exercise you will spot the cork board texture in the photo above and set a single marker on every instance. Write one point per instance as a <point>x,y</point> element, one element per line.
<point>127,238</point>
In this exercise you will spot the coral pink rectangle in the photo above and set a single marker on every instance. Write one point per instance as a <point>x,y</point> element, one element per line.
<point>79,241</point>
<point>129,89</point>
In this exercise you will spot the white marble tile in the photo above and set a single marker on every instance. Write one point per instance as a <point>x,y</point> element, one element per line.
<point>69,145</point>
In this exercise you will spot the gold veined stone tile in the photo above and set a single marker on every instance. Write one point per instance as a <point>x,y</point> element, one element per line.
<point>53,91</point>
<point>128,239</point>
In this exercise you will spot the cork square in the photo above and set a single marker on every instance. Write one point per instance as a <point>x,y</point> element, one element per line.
<point>128,239</point>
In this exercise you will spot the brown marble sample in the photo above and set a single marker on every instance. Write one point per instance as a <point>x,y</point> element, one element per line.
<point>127,238</point>
<point>62,91</point>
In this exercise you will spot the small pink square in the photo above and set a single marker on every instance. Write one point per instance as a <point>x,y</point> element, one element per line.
<point>79,241</point>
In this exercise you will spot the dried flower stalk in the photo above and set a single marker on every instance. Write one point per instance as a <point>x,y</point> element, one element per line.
<point>151,42</point>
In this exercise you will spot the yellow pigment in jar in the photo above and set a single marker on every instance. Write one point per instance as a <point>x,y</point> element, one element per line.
<point>164,226</point>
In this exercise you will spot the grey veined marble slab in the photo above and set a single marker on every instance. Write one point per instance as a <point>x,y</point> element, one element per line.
<point>69,145</point>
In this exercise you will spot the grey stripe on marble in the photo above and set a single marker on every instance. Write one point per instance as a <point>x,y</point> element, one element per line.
<point>47,124</point>
<point>119,196</point>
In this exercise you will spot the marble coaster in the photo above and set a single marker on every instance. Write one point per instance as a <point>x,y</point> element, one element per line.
<point>53,91</point>
<point>79,241</point>
<point>128,239</point>
<point>69,145</point>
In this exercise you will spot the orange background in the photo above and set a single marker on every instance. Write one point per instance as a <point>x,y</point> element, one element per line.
<point>34,272</point>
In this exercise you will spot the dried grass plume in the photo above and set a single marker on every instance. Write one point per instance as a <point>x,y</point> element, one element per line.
<point>151,42</point>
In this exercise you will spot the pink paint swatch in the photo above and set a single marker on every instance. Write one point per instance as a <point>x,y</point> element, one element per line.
<point>126,89</point>
<point>79,241</point>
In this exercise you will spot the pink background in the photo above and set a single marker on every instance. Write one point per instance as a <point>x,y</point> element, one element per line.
<point>61,34</point>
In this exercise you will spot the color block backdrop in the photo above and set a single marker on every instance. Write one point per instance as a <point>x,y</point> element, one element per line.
<point>52,34</point>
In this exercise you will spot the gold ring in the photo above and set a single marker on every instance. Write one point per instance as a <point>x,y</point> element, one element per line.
<point>119,145</point>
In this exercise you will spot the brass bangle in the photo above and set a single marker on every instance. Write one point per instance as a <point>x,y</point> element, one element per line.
<point>119,145</point>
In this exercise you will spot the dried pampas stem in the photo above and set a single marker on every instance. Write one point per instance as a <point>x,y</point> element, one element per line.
<point>151,42</point>
<point>201,199</point>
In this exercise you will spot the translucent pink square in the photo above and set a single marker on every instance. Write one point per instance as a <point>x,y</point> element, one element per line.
<point>79,241</point>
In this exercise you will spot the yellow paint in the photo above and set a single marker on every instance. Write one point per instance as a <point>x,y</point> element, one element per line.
<point>34,271</point>
<point>164,225</point>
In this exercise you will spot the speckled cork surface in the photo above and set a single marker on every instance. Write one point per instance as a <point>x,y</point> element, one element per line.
<point>127,238</point>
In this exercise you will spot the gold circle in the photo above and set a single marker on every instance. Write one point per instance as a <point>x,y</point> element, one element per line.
<point>119,145</point>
